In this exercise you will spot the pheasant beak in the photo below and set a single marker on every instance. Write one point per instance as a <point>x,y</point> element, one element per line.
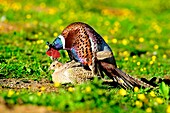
<point>48,44</point>
<point>53,59</point>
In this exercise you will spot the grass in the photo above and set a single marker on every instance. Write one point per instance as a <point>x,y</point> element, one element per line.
<point>137,32</point>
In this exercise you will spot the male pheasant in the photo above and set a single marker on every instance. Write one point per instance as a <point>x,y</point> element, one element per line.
<point>82,42</point>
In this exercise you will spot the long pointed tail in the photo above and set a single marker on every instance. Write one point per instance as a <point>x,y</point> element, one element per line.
<point>123,79</point>
<point>127,81</point>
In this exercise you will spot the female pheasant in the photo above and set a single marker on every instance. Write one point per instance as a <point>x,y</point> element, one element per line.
<point>73,72</point>
<point>82,42</point>
<point>67,73</point>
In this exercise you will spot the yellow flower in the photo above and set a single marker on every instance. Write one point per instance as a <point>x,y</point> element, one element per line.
<point>88,89</point>
<point>138,63</point>
<point>36,35</point>
<point>134,61</point>
<point>55,34</point>
<point>52,11</point>
<point>70,89</point>
<point>134,56</point>
<point>151,62</point>
<point>168,109</point>
<point>126,53</point>
<point>125,42</point>
<point>141,39</point>
<point>28,16</point>
<point>117,24</point>
<point>149,110</point>
<point>16,6</point>
<point>57,84</point>
<point>40,41</point>
<point>112,31</point>
<point>164,56</point>
<point>139,104</point>
<point>116,29</point>
<point>159,100</point>
<point>141,69</point>
<point>106,39</point>
<point>144,68</point>
<point>126,58</point>
<point>122,92</point>
<point>136,89</point>
<point>10,93</point>
<point>114,41</point>
<point>17,93</point>
<point>46,46</point>
<point>152,94</point>
<point>42,88</point>
<point>153,58</point>
<point>141,97</point>
<point>156,47</point>
<point>39,93</point>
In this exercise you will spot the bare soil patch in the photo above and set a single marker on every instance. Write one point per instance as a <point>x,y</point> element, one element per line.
<point>32,85</point>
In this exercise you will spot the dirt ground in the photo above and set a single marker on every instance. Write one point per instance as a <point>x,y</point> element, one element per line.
<point>17,84</point>
<point>32,85</point>
<point>24,109</point>
<point>35,109</point>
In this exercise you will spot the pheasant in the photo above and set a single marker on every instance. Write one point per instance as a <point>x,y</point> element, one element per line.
<point>67,73</point>
<point>82,42</point>
<point>73,72</point>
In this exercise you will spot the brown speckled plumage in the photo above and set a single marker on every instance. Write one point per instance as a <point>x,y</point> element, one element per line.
<point>82,42</point>
<point>76,37</point>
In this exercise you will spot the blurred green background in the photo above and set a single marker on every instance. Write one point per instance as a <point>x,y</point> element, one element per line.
<point>137,31</point>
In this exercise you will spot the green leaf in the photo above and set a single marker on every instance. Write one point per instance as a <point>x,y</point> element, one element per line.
<point>164,90</point>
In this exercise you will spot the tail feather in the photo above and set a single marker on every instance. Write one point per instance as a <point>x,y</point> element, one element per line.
<point>129,81</point>
<point>123,79</point>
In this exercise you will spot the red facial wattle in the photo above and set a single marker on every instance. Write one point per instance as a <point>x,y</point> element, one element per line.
<point>54,53</point>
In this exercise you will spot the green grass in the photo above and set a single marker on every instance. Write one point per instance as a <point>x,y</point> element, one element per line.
<point>136,31</point>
